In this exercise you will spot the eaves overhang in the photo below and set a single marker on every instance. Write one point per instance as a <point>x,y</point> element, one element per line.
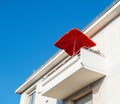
<point>57,58</point>
<point>93,28</point>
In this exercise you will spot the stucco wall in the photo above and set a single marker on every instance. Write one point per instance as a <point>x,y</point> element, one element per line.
<point>39,99</point>
<point>42,99</point>
<point>23,99</point>
<point>108,42</point>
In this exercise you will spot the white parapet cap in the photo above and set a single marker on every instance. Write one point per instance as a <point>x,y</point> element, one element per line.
<point>100,22</point>
<point>103,19</point>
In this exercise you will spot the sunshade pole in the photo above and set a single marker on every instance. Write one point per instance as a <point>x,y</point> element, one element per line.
<point>74,48</point>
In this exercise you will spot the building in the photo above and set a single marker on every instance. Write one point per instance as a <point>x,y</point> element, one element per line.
<point>89,78</point>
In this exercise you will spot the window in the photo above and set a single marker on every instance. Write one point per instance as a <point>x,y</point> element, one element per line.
<point>83,96</point>
<point>87,99</point>
<point>32,98</point>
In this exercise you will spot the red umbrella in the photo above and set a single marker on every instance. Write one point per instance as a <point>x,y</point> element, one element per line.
<point>72,41</point>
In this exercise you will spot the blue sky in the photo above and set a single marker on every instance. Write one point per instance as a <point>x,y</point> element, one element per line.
<point>28,30</point>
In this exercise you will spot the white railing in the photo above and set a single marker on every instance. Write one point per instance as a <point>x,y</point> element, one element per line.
<point>59,69</point>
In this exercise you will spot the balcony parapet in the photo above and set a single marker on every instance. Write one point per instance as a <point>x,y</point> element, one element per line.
<point>73,74</point>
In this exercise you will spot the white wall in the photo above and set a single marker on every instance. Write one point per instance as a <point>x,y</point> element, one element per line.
<point>23,99</point>
<point>38,98</point>
<point>42,99</point>
<point>108,42</point>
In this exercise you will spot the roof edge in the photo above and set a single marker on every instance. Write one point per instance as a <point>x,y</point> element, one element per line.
<point>103,19</point>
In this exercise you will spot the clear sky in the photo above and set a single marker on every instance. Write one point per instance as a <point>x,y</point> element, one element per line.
<point>28,30</point>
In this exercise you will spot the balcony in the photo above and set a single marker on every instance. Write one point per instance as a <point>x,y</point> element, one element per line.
<point>73,74</point>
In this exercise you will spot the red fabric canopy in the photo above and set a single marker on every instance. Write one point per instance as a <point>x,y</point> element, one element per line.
<point>72,41</point>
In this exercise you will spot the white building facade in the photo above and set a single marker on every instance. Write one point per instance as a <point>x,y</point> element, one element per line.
<point>92,77</point>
